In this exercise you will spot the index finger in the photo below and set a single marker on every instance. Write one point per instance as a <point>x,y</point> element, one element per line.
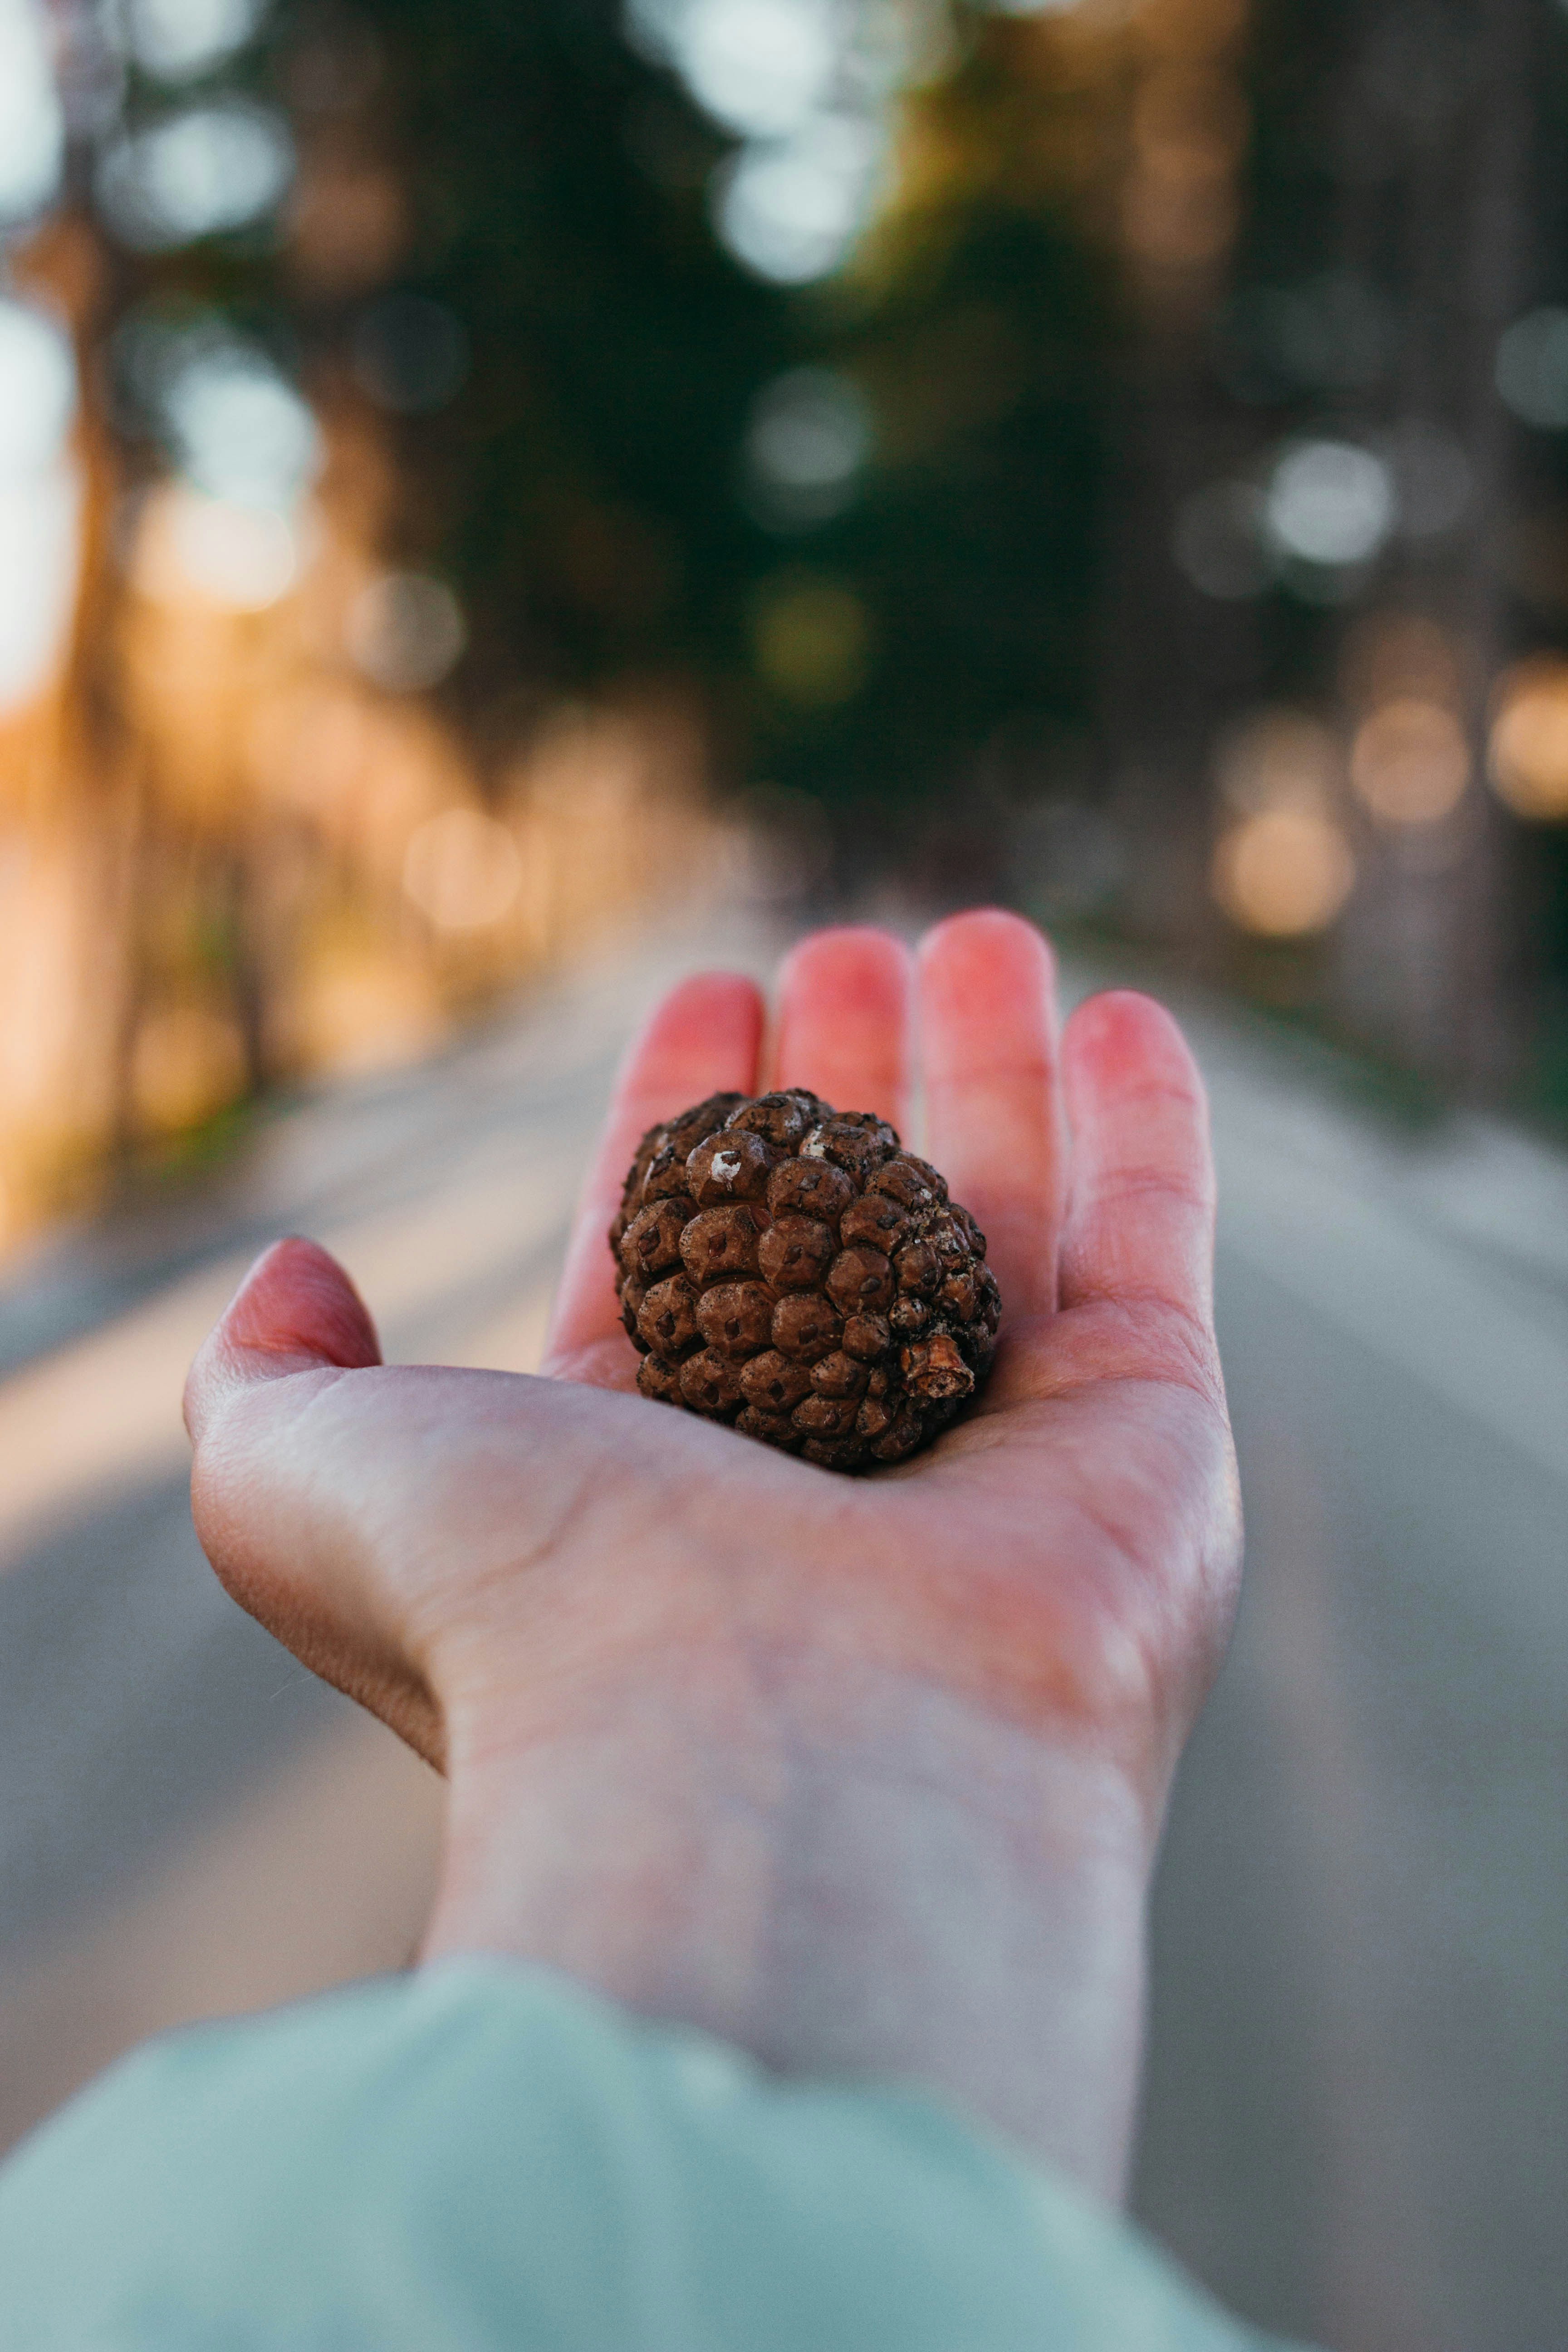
<point>702,1039</point>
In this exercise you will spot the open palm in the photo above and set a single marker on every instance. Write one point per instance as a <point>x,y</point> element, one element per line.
<point>726,1675</point>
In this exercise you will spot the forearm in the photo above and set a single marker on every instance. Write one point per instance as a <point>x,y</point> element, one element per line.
<point>892,1884</point>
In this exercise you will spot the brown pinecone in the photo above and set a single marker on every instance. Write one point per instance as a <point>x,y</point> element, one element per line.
<point>791,1269</point>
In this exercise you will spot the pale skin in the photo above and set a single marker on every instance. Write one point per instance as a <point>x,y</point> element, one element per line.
<point>866,1775</point>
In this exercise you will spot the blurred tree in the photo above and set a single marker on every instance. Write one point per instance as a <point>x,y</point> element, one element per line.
<point>374,302</point>
<point>1407,205</point>
<point>620,482</point>
<point>1126,468</point>
<point>1332,528</point>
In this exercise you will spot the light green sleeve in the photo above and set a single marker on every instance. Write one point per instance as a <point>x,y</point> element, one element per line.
<point>487,2158</point>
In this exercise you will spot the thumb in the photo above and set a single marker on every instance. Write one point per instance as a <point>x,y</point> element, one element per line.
<point>296,1311</point>
<point>265,1504</point>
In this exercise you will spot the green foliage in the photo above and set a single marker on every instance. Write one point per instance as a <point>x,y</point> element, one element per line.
<point>590,480</point>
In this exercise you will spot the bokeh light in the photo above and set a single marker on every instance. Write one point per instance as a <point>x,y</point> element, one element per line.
<point>809,437</point>
<point>462,870</point>
<point>38,389</point>
<point>1331,503</point>
<point>40,499</point>
<point>1283,874</point>
<point>1189,133</point>
<point>791,209</point>
<point>178,41</point>
<point>1282,867</point>
<point>1410,762</point>
<point>238,558</point>
<point>760,68</point>
<point>198,173</point>
<point>231,530</point>
<point>31,120</point>
<point>1386,657</point>
<point>1527,750</point>
<point>1533,368</point>
<point>239,431</point>
<point>811,639</point>
<point>404,631</point>
<point>347,222</point>
<point>807,85</point>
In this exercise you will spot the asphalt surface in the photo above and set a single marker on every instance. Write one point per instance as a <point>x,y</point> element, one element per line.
<point>1359,2047</point>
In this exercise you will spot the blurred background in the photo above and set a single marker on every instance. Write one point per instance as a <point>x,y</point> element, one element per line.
<point>498,504</point>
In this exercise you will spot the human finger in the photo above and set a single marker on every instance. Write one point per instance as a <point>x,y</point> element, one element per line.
<point>702,1039</point>
<point>843,1021</point>
<point>995,1125</point>
<point>295,1311</point>
<point>1139,1231</point>
<point>262,1486</point>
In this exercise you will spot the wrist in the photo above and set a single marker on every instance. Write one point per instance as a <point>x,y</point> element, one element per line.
<point>849,1874</point>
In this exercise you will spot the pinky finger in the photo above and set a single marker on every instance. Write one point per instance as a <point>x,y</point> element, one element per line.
<point>1139,1233</point>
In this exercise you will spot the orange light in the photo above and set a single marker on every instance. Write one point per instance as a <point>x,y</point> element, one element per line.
<point>1527,756</point>
<point>1410,762</point>
<point>191,548</point>
<point>1389,656</point>
<point>1190,125</point>
<point>1284,874</point>
<point>462,870</point>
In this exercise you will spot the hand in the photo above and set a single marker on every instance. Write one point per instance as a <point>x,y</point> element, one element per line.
<point>864,1773</point>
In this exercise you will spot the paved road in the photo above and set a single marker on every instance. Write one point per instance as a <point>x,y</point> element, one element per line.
<point>1359,2061</point>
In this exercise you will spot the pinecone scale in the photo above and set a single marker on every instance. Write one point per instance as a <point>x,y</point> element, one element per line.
<point>791,1270</point>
